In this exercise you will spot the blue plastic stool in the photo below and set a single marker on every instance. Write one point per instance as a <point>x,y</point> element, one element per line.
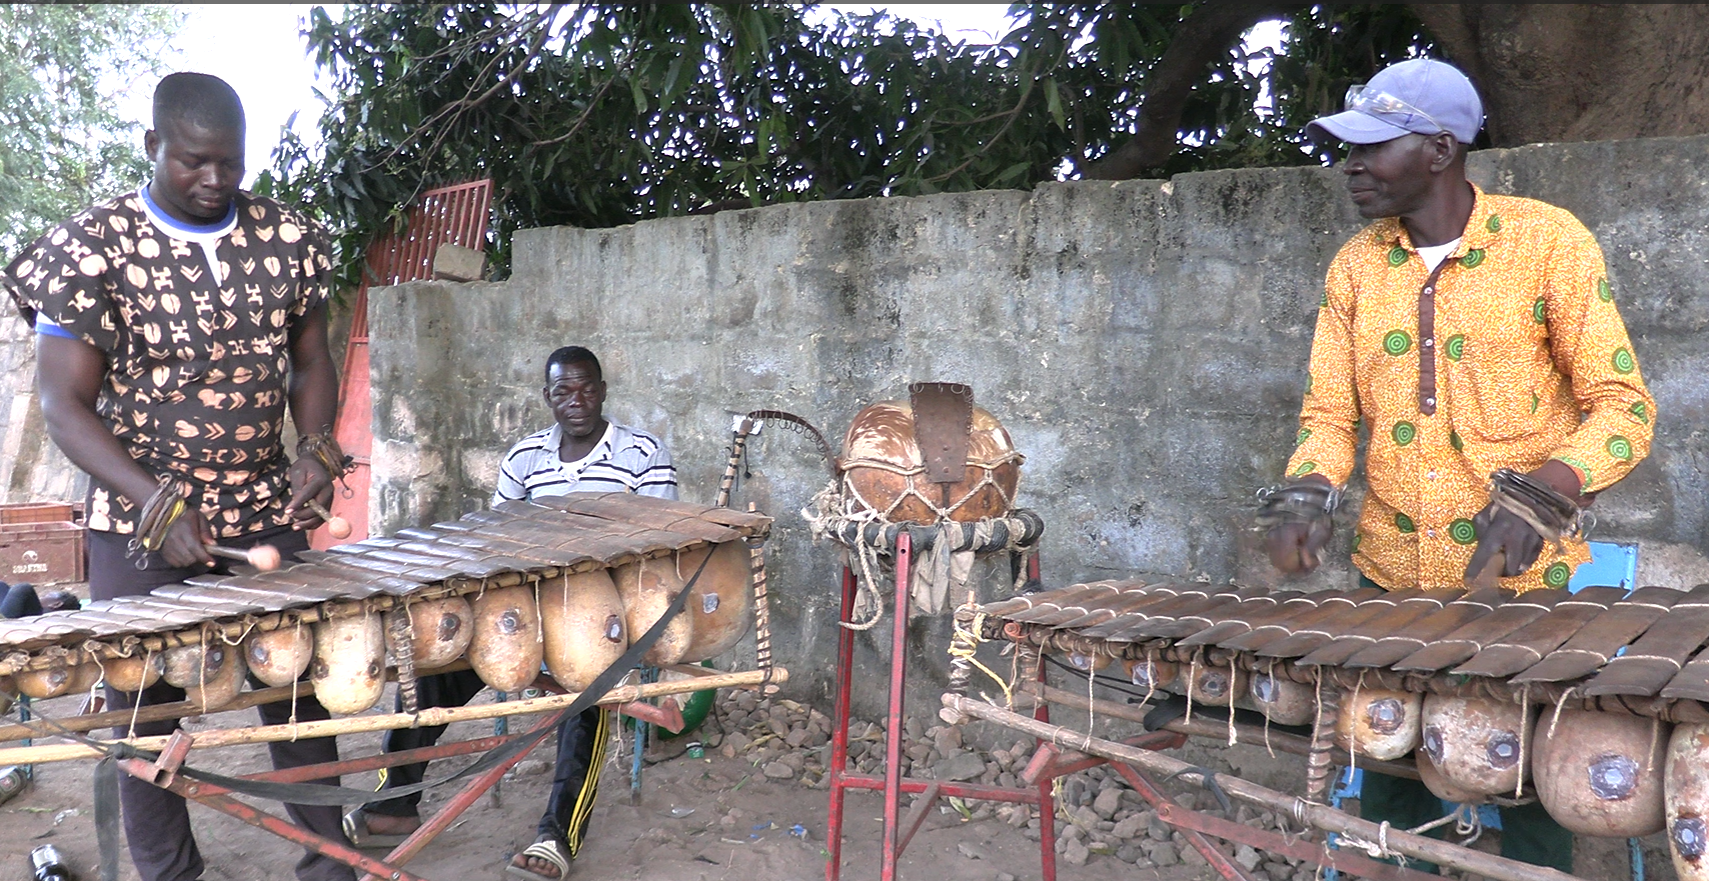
<point>1611,565</point>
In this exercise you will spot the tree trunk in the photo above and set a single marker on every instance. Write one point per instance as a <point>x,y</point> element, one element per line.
<point>1207,33</point>
<point>1580,72</point>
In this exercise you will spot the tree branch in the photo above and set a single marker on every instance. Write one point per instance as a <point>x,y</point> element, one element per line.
<point>1453,26</point>
<point>446,119</point>
<point>1205,36</point>
<point>580,120</point>
<point>1026,91</point>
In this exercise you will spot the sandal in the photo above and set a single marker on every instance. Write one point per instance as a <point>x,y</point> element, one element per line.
<point>547,848</point>
<point>356,829</point>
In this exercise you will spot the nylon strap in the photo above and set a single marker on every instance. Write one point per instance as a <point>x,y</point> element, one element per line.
<point>107,816</point>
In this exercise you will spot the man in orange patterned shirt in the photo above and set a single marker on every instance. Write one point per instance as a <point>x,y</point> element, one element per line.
<point>1469,333</point>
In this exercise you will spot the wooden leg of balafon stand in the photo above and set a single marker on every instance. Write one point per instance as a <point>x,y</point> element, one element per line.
<point>648,676</point>
<point>923,804</point>
<point>1051,762</point>
<point>1195,826</point>
<point>163,772</point>
<point>219,798</point>
<point>1308,813</point>
<point>501,728</point>
<point>1046,788</point>
<point>174,750</point>
<point>462,801</point>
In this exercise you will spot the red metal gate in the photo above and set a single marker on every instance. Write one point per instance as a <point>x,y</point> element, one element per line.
<point>454,215</point>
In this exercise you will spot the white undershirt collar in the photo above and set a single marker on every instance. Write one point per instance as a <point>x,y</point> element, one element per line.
<point>1435,254</point>
<point>207,236</point>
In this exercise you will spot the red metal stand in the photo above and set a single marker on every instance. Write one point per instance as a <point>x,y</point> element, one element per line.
<point>455,215</point>
<point>163,773</point>
<point>1049,761</point>
<point>897,832</point>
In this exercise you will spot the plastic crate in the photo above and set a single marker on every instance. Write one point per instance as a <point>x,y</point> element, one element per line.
<point>42,553</point>
<point>37,512</point>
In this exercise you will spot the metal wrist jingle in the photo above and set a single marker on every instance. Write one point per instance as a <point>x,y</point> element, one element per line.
<point>323,448</point>
<point>1302,501</point>
<point>1541,494</point>
<point>1552,511</point>
<point>163,508</point>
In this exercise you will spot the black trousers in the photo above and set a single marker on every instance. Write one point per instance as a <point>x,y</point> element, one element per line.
<point>20,601</point>
<point>1528,833</point>
<point>575,780</point>
<point>157,822</point>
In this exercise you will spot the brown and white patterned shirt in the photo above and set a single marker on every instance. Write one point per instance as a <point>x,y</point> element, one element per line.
<point>195,323</point>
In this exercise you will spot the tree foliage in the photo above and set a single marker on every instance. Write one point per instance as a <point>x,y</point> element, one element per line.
<point>603,114</point>
<point>62,146</point>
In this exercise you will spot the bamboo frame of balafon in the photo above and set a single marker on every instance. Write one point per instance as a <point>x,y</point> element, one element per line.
<point>232,629</point>
<point>1536,694</point>
<point>180,709</point>
<point>429,717</point>
<point>1243,733</point>
<point>1308,813</point>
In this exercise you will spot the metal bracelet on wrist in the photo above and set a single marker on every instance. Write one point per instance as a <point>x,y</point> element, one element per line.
<point>1303,501</point>
<point>1552,514</point>
<point>162,509</point>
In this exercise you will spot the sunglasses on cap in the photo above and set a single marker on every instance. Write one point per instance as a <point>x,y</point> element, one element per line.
<point>1373,102</point>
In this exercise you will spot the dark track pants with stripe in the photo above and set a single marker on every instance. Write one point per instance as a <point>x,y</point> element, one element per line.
<point>575,782</point>
<point>157,822</point>
<point>1528,833</point>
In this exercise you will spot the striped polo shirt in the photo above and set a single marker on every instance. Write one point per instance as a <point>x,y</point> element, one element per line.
<point>625,460</point>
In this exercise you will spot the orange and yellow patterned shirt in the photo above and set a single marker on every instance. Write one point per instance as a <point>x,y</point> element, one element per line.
<point>1532,363</point>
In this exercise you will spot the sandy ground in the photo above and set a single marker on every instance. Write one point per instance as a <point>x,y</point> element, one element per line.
<point>696,820</point>
<point>703,819</point>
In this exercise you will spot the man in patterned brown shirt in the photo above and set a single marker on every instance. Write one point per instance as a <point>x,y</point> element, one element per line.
<point>174,325</point>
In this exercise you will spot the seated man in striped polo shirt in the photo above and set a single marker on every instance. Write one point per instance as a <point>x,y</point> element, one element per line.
<point>581,452</point>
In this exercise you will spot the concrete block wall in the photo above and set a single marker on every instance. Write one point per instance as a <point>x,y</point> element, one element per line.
<point>1145,342</point>
<point>32,469</point>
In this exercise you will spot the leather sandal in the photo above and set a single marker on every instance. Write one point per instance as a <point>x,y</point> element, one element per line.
<point>356,829</point>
